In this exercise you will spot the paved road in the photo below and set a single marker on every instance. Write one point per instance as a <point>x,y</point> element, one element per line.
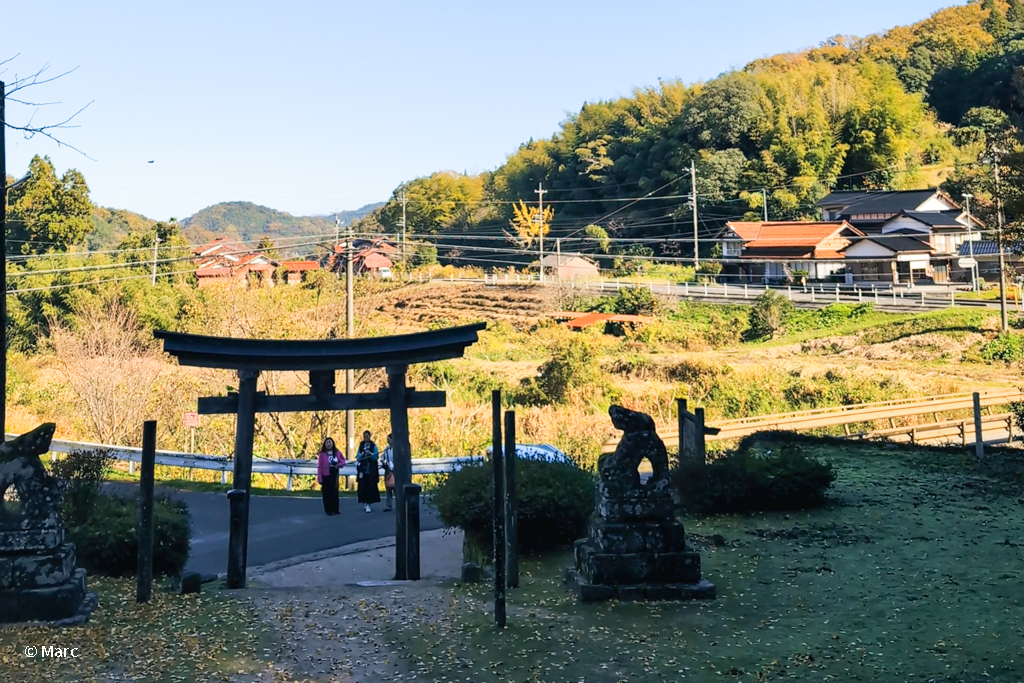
<point>280,527</point>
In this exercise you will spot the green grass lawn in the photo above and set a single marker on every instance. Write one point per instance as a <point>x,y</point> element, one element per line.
<point>172,638</point>
<point>912,575</point>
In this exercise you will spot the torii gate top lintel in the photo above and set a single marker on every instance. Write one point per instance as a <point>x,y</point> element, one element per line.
<point>231,353</point>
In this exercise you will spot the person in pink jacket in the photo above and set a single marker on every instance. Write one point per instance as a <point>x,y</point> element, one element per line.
<point>329,461</point>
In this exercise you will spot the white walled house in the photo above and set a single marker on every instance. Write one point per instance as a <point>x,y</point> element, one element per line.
<point>758,251</point>
<point>887,259</point>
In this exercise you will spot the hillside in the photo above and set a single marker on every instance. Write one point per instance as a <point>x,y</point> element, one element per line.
<point>911,107</point>
<point>112,226</point>
<point>247,221</point>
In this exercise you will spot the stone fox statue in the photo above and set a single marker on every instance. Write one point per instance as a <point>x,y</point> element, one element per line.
<point>21,468</point>
<point>639,441</point>
<point>29,446</point>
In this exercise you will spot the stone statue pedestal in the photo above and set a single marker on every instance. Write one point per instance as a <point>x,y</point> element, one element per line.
<point>38,578</point>
<point>635,548</point>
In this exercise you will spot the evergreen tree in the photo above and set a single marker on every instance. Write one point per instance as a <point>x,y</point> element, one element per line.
<point>47,213</point>
<point>267,246</point>
<point>995,23</point>
<point>1015,14</point>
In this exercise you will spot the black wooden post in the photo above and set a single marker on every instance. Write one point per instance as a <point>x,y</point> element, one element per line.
<point>699,446</point>
<point>412,540</point>
<point>245,427</point>
<point>498,511</point>
<point>979,439</point>
<point>403,465</point>
<point>144,573</point>
<point>681,422</point>
<point>236,570</point>
<point>511,525</point>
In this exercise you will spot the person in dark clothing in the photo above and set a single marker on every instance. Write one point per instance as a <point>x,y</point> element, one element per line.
<point>329,461</point>
<point>367,473</point>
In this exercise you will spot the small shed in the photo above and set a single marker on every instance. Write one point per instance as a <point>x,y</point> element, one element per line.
<point>569,266</point>
<point>295,271</point>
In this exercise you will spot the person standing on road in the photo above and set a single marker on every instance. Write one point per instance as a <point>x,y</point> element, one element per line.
<point>366,472</point>
<point>329,461</point>
<point>387,461</point>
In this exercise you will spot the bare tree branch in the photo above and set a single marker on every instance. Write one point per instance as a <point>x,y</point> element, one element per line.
<point>29,130</point>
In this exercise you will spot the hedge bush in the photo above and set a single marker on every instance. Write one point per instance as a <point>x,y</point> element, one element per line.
<point>752,479</point>
<point>107,545</point>
<point>554,502</point>
<point>81,475</point>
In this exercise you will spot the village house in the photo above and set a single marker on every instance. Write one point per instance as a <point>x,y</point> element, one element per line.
<point>569,266</point>
<point>887,259</point>
<point>369,257</point>
<point>758,251</point>
<point>224,261</point>
<point>928,215</point>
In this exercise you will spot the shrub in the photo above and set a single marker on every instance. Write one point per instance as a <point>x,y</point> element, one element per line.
<point>554,502</point>
<point>1006,347</point>
<point>81,475</point>
<point>107,544</point>
<point>769,313</point>
<point>572,366</point>
<point>425,255</point>
<point>636,301</point>
<point>752,479</point>
<point>709,271</point>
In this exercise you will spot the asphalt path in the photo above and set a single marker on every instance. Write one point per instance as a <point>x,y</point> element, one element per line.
<point>280,527</point>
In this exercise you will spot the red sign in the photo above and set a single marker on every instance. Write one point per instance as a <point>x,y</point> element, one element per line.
<point>190,419</point>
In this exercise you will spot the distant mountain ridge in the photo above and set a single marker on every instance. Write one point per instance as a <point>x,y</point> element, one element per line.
<point>247,221</point>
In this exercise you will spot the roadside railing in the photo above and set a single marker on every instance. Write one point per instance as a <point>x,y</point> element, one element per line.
<point>844,416</point>
<point>224,464</point>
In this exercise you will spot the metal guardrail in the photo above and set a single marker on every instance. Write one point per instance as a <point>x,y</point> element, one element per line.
<point>838,416</point>
<point>224,464</point>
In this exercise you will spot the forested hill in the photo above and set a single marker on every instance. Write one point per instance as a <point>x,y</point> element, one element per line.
<point>912,107</point>
<point>248,221</point>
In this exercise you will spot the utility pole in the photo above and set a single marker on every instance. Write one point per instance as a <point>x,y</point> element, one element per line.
<point>3,264</point>
<point>764,203</point>
<point>403,226</point>
<point>540,192</point>
<point>558,258</point>
<point>350,328</point>
<point>693,198</point>
<point>156,243</point>
<point>970,243</point>
<point>999,237</point>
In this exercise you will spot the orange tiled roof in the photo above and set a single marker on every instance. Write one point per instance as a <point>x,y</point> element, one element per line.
<point>374,260</point>
<point>296,266</point>
<point>787,234</point>
<point>593,318</point>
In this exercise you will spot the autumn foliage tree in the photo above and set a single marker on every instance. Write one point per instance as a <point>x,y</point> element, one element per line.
<point>528,223</point>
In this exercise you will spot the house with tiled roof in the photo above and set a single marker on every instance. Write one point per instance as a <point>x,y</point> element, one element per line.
<point>888,259</point>
<point>225,261</point>
<point>929,214</point>
<point>868,210</point>
<point>760,251</point>
<point>370,255</point>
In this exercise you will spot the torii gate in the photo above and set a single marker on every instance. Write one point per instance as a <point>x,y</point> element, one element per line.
<point>322,359</point>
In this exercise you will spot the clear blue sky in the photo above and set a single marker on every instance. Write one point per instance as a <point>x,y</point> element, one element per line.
<point>310,107</point>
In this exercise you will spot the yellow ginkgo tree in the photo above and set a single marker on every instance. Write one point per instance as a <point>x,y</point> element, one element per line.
<point>529,224</point>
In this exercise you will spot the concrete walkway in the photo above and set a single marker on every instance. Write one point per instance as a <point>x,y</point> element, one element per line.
<point>369,563</point>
